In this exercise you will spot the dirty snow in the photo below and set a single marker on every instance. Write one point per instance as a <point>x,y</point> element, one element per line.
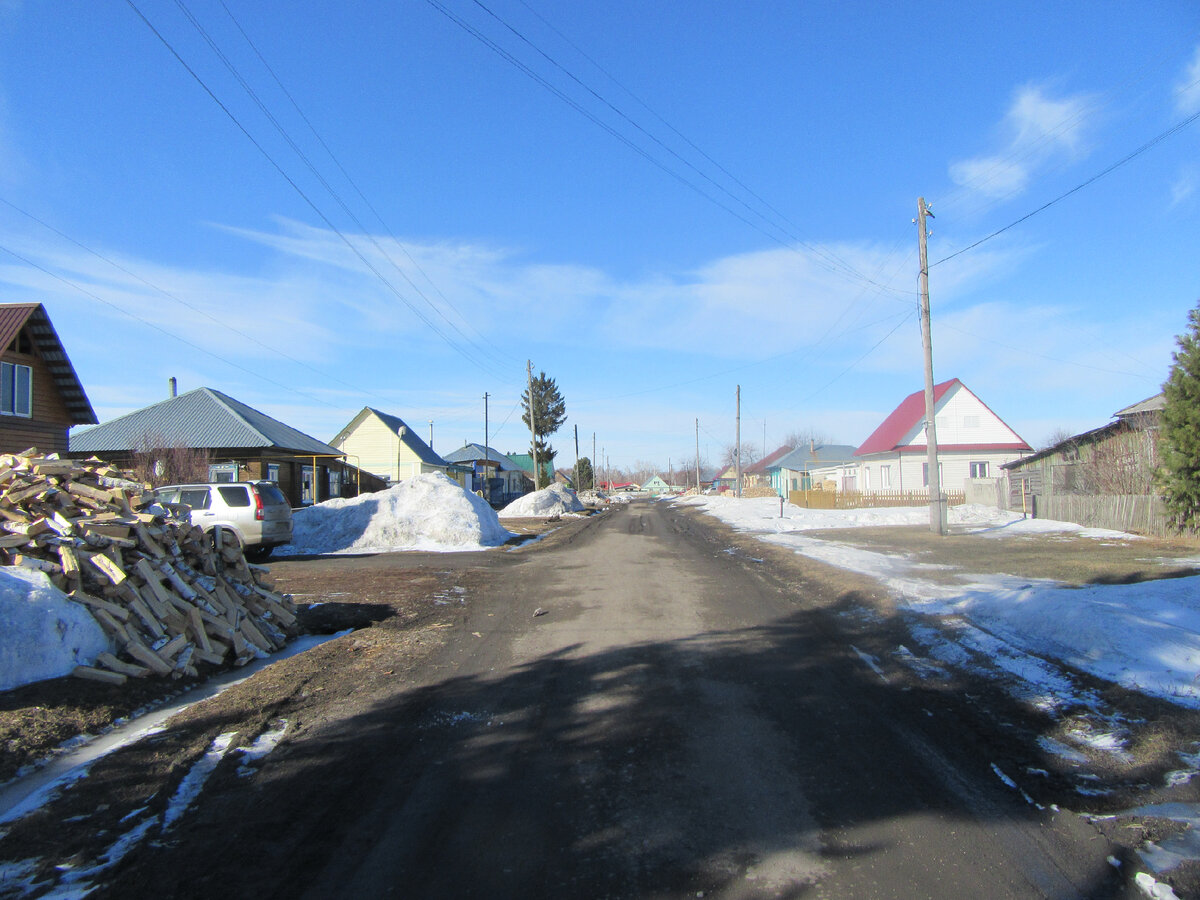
<point>1144,636</point>
<point>45,634</point>
<point>427,512</point>
<point>554,500</point>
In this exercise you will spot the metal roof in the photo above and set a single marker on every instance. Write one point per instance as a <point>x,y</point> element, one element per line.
<point>15,316</point>
<point>204,419</point>
<point>1150,404</point>
<point>473,452</point>
<point>804,458</point>
<point>396,425</point>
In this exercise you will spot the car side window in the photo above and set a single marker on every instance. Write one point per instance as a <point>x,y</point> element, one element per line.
<point>167,496</point>
<point>196,498</point>
<point>235,495</point>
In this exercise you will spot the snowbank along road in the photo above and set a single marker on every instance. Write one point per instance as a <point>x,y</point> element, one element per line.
<point>636,707</point>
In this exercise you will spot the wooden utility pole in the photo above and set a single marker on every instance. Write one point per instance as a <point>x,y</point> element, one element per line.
<point>738,469</point>
<point>576,469</point>
<point>937,503</point>
<point>595,462</point>
<point>431,434</point>
<point>487,453</point>
<point>697,456</point>
<point>532,430</point>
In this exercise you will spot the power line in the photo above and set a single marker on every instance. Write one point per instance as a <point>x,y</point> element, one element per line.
<point>159,328</point>
<point>1177,127</point>
<point>324,218</point>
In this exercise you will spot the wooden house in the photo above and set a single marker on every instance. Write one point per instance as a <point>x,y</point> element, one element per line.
<point>758,474</point>
<point>41,397</point>
<point>238,442</point>
<point>973,442</point>
<point>383,445</point>
<point>491,474</point>
<point>815,466</point>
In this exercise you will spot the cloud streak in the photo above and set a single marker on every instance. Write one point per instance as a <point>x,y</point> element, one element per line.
<point>1037,129</point>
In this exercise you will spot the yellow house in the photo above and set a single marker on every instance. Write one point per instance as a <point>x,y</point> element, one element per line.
<point>385,446</point>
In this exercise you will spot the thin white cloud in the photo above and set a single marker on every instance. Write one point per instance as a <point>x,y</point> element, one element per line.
<point>1184,185</point>
<point>1037,129</point>
<point>1187,88</point>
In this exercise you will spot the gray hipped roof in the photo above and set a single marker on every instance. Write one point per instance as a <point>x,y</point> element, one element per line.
<point>204,419</point>
<point>472,452</point>
<point>803,458</point>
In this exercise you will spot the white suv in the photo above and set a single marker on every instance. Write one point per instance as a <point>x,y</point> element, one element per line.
<point>255,513</point>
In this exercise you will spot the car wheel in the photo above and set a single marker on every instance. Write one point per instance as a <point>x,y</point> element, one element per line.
<point>258,554</point>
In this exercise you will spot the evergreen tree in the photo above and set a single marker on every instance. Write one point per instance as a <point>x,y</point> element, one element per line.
<point>549,413</point>
<point>584,477</point>
<point>1180,473</point>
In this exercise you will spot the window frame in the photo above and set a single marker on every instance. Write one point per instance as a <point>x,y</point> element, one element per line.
<point>12,393</point>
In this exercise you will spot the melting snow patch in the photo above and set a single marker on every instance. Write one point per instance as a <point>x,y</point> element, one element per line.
<point>1155,890</point>
<point>870,661</point>
<point>261,748</point>
<point>189,789</point>
<point>1061,750</point>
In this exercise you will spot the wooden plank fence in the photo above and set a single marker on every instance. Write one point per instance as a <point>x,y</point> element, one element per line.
<point>1140,514</point>
<point>867,499</point>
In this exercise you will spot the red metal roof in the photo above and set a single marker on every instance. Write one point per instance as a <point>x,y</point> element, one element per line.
<point>761,465</point>
<point>909,413</point>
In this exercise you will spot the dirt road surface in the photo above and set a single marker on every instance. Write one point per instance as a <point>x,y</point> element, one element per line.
<point>637,706</point>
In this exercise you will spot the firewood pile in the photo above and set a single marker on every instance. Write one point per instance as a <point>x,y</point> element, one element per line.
<point>168,596</point>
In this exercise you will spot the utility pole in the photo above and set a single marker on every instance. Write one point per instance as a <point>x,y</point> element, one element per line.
<point>738,470</point>
<point>487,453</point>
<point>431,434</point>
<point>595,461</point>
<point>937,503</point>
<point>697,456</point>
<point>532,430</point>
<point>576,469</point>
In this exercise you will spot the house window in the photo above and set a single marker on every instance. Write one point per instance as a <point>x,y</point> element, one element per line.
<point>885,477</point>
<point>273,472</point>
<point>866,479</point>
<point>223,473</point>
<point>16,390</point>
<point>970,421</point>
<point>335,483</point>
<point>979,470</point>
<point>925,475</point>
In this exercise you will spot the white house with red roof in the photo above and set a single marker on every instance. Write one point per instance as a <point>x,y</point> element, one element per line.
<point>973,442</point>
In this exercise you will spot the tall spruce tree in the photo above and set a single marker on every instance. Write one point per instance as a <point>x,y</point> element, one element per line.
<point>549,413</point>
<point>1180,472</point>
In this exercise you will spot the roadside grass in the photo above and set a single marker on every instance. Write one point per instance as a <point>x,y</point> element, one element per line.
<point>1065,557</point>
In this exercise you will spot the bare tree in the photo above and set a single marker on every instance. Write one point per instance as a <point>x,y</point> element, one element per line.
<point>157,461</point>
<point>806,437</point>
<point>1054,438</point>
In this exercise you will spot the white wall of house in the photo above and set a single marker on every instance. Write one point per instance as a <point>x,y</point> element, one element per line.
<point>906,472</point>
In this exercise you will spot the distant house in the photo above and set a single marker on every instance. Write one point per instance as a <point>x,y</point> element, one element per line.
<point>1118,459</point>
<point>383,445</point>
<point>524,461</point>
<point>726,479</point>
<point>757,474</point>
<point>622,487</point>
<point>815,466</point>
<point>655,485</point>
<point>241,443</point>
<point>564,477</point>
<point>40,394</point>
<point>493,475</point>
<point>973,442</point>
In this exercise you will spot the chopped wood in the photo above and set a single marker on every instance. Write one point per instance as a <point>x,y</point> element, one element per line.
<point>93,674</point>
<point>148,576</point>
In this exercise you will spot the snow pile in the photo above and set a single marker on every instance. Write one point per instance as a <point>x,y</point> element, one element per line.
<point>552,501</point>
<point>428,512</point>
<point>1144,636</point>
<point>46,634</point>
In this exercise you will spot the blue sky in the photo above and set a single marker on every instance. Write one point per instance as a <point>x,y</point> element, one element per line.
<point>654,203</point>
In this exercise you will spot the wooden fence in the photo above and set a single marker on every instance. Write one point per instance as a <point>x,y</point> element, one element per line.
<point>1140,514</point>
<point>867,499</point>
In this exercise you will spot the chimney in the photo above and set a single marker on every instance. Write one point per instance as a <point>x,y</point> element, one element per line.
<point>174,385</point>
<point>812,446</point>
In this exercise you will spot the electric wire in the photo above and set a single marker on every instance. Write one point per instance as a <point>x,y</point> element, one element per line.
<point>1158,139</point>
<point>250,92</point>
<point>300,191</point>
<point>159,328</point>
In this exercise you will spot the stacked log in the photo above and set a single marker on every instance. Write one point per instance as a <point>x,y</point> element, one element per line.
<point>169,596</point>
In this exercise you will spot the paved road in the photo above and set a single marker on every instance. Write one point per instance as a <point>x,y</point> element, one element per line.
<point>679,722</point>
